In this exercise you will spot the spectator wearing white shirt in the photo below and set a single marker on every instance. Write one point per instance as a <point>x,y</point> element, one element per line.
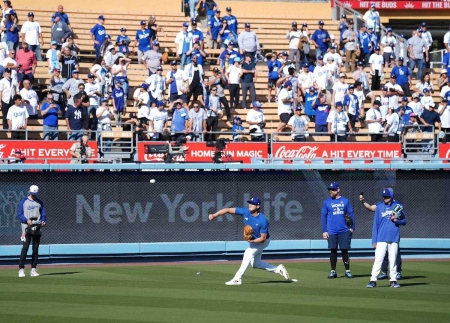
<point>143,103</point>
<point>447,40</point>
<point>332,73</point>
<point>391,127</point>
<point>444,112</point>
<point>394,91</point>
<point>427,100</point>
<point>156,85</point>
<point>17,118</point>
<point>299,124</point>
<point>192,77</point>
<point>32,35</point>
<point>3,55</point>
<point>257,121</point>
<point>305,79</point>
<point>424,83</point>
<point>285,105</point>
<point>416,105</point>
<point>12,64</point>
<point>294,38</point>
<point>372,18</point>
<point>104,114</point>
<point>376,68</point>
<point>175,83</point>
<point>233,76</point>
<point>8,89</point>
<point>198,121</point>
<point>388,43</point>
<point>93,90</point>
<point>320,75</point>
<point>426,36</point>
<point>338,122</point>
<point>339,90</point>
<point>373,120</point>
<point>385,101</point>
<point>157,120</point>
<point>30,99</point>
<point>337,57</point>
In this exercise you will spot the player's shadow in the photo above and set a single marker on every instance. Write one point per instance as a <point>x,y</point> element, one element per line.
<point>273,282</point>
<point>64,273</point>
<point>412,277</point>
<point>360,276</point>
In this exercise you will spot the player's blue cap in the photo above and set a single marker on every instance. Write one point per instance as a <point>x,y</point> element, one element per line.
<point>123,29</point>
<point>333,186</point>
<point>254,201</point>
<point>160,103</point>
<point>388,192</point>
<point>404,99</point>
<point>155,43</point>
<point>257,104</point>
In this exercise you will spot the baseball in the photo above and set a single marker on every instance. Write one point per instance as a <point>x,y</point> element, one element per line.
<point>152,181</point>
<point>199,273</point>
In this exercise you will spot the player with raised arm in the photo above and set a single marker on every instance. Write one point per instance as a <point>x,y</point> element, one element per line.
<point>258,240</point>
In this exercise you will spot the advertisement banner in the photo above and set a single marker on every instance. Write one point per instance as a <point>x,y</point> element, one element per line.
<point>198,152</point>
<point>308,151</point>
<point>397,5</point>
<point>129,207</point>
<point>444,151</point>
<point>39,151</point>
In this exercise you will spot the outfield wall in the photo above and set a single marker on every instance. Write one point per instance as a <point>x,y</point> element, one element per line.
<point>123,213</point>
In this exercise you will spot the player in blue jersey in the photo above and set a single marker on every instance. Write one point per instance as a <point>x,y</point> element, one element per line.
<point>386,236</point>
<point>335,228</point>
<point>260,240</point>
<point>32,215</point>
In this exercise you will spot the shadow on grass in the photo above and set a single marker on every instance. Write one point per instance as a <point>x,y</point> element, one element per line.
<point>273,282</point>
<point>65,273</point>
<point>401,284</point>
<point>360,276</point>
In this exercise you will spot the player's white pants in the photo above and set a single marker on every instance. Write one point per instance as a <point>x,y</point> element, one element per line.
<point>252,255</point>
<point>380,252</point>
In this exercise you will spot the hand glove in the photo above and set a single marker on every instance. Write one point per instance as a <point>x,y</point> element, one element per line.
<point>397,212</point>
<point>348,221</point>
<point>248,233</point>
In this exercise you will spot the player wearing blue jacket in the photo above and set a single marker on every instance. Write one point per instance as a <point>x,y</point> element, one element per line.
<point>335,228</point>
<point>30,212</point>
<point>260,239</point>
<point>386,236</point>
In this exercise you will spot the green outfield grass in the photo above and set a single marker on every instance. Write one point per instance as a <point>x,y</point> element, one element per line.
<point>175,293</point>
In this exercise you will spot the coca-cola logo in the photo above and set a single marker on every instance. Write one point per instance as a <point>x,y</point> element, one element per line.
<point>161,157</point>
<point>1,148</point>
<point>305,152</point>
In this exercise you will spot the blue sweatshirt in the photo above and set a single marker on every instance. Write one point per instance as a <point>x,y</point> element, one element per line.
<point>274,67</point>
<point>384,230</point>
<point>322,111</point>
<point>309,98</point>
<point>333,215</point>
<point>29,208</point>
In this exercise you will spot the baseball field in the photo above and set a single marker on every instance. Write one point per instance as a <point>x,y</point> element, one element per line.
<point>195,292</point>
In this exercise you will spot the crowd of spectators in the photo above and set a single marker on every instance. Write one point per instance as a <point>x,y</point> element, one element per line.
<point>307,88</point>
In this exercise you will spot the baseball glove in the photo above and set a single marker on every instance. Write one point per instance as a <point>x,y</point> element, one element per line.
<point>348,221</point>
<point>397,211</point>
<point>248,233</point>
<point>165,57</point>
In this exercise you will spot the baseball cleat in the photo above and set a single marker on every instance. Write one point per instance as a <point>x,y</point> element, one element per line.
<point>234,281</point>
<point>33,272</point>
<point>382,276</point>
<point>22,273</point>
<point>399,276</point>
<point>394,284</point>
<point>283,272</point>
<point>332,274</point>
<point>371,284</point>
<point>348,274</point>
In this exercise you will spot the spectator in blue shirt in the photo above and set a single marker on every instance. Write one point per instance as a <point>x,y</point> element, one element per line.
<point>210,7</point>
<point>197,35</point>
<point>322,110</point>
<point>123,41</point>
<point>310,97</point>
<point>12,30</point>
<point>364,43</point>
<point>63,15</point>
<point>321,39</point>
<point>343,26</point>
<point>403,76</point>
<point>274,65</point>
<point>74,119</point>
<point>232,21</point>
<point>143,38</point>
<point>214,27</point>
<point>180,121</point>
<point>98,35</point>
<point>50,112</point>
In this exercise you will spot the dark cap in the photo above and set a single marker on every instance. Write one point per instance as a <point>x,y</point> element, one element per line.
<point>7,70</point>
<point>254,201</point>
<point>173,63</point>
<point>387,192</point>
<point>228,8</point>
<point>333,186</point>
<point>377,102</point>
<point>216,69</point>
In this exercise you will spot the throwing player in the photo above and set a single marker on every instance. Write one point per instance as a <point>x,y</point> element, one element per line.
<point>384,265</point>
<point>31,212</point>
<point>335,228</point>
<point>386,235</point>
<point>259,241</point>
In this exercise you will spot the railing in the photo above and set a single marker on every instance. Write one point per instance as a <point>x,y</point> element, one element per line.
<point>437,58</point>
<point>340,8</point>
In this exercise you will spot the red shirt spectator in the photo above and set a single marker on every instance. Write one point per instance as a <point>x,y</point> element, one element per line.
<point>26,59</point>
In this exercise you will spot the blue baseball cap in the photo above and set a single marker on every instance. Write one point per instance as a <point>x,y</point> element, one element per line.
<point>288,83</point>
<point>305,65</point>
<point>237,59</point>
<point>144,86</point>
<point>101,17</point>
<point>338,104</point>
<point>360,63</point>
<point>312,89</point>
<point>321,22</point>
<point>160,103</point>
<point>75,72</point>
<point>90,76</point>
<point>193,21</point>
<point>377,47</point>
<point>426,90</point>
<point>404,99</point>
<point>384,88</point>
<point>351,86</point>
<point>388,192</point>
<point>105,99</point>
<point>155,43</point>
<point>257,104</point>
<point>401,59</point>
<point>123,29</point>
<point>185,24</point>
<point>143,22</point>
<point>333,186</point>
<point>254,201</point>
<point>389,29</point>
<point>320,58</point>
<point>247,25</point>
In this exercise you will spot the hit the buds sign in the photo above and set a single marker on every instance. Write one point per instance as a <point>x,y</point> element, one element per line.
<point>199,152</point>
<point>310,151</point>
